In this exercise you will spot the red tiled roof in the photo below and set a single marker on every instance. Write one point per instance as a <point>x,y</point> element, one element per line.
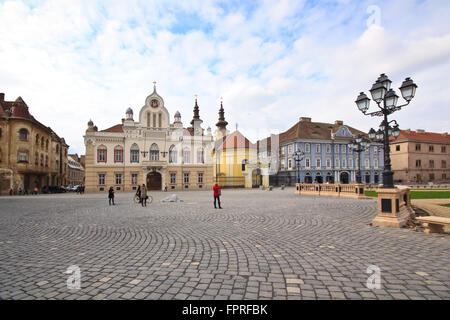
<point>236,140</point>
<point>314,130</point>
<point>116,128</point>
<point>425,136</point>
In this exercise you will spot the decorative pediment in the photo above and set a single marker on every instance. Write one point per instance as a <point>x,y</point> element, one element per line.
<point>343,132</point>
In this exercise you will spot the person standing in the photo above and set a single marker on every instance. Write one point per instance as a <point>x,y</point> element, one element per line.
<point>138,193</point>
<point>217,193</point>
<point>111,195</point>
<point>144,195</point>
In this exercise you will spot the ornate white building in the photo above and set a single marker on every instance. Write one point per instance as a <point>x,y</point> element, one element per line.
<point>151,151</point>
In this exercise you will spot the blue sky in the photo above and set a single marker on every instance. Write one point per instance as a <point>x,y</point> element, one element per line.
<point>271,61</point>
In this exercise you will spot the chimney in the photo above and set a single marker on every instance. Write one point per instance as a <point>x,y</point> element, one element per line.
<point>445,134</point>
<point>305,119</point>
<point>2,97</point>
<point>339,122</point>
<point>420,131</point>
<point>408,131</point>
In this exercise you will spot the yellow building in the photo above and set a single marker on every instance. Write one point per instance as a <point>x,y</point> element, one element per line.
<point>32,155</point>
<point>235,159</point>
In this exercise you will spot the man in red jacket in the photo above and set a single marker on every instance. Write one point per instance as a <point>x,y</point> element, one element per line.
<point>217,193</point>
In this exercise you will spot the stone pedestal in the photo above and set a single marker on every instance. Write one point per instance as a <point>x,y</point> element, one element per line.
<point>394,208</point>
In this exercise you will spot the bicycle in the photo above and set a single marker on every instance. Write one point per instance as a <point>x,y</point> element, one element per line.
<point>136,199</point>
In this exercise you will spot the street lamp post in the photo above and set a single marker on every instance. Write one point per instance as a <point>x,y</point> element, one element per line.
<point>298,156</point>
<point>359,145</point>
<point>386,100</point>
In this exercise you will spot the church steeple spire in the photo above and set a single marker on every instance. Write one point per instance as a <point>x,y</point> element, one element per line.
<point>221,124</point>
<point>196,113</point>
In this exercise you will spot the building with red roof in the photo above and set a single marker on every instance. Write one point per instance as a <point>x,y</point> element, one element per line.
<point>420,157</point>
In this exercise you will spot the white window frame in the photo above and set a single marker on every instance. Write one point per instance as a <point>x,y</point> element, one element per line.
<point>307,147</point>
<point>318,163</point>
<point>173,177</point>
<point>134,178</point>
<point>118,178</point>
<point>328,162</point>
<point>200,177</point>
<point>328,148</point>
<point>102,178</point>
<point>308,162</point>
<point>186,177</point>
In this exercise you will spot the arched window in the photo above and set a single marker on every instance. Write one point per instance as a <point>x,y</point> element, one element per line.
<point>118,154</point>
<point>42,160</point>
<point>42,142</point>
<point>154,152</point>
<point>57,148</point>
<point>186,155</point>
<point>36,158</point>
<point>46,145</point>
<point>200,156</point>
<point>46,161</point>
<point>102,155</point>
<point>37,139</point>
<point>23,134</point>
<point>172,154</point>
<point>134,153</point>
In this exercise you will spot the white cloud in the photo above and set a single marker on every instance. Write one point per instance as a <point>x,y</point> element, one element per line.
<point>72,61</point>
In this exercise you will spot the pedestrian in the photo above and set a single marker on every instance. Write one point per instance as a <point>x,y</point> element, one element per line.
<point>144,195</point>
<point>138,193</point>
<point>35,190</point>
<point>82,189</point>
<point>165,187</point>
<point>20,191</point>
<point>11,192</point>
<point>217,193</point>
<point>111,195</point>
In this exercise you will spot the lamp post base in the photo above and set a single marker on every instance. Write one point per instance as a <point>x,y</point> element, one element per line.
<point>394,207</point>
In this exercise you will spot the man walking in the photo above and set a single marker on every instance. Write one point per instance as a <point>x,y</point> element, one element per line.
<point>111,195</point>
<point>217,192</point>
<point>144,195</point>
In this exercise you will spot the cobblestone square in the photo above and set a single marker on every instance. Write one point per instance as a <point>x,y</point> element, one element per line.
<point>262,245</point>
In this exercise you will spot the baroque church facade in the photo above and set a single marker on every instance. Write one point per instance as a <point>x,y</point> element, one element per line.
<point>150,150</point>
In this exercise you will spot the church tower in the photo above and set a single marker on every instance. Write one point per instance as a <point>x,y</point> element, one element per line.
<point>221,124</point>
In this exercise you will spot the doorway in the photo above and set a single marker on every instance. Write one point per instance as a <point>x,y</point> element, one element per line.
<point>344,177</point>
<point>154,181</point>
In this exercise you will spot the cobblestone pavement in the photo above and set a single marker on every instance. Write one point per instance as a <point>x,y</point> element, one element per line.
<point>262,245</point>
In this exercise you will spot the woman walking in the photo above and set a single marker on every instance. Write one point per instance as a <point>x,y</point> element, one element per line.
<point>144,195</point>
<point>217,192</point>
<point>111,195</point>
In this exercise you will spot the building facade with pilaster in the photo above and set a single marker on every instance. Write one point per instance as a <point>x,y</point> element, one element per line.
<point>327,157</point>
<point>151,150</point>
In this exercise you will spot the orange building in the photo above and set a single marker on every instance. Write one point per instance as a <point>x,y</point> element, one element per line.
<point>421,157</point>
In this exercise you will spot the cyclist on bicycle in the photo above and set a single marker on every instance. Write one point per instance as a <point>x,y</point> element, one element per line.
<point>144,195</point>
<point>138,193</point>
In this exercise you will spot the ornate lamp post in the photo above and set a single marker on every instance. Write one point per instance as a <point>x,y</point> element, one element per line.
<point>298,156</point>
<point>359,145</point>
<point>386,100</point>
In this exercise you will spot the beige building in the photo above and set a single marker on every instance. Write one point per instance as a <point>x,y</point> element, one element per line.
<point>151,151</point>
<point>31,154</point>
<point>76,170</point>
<point>421,157</point>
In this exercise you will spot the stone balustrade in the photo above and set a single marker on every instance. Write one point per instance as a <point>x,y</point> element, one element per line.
<point>355,191</point>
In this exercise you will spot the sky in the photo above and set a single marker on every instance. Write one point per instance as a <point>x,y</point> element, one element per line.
<point>271,61</point>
